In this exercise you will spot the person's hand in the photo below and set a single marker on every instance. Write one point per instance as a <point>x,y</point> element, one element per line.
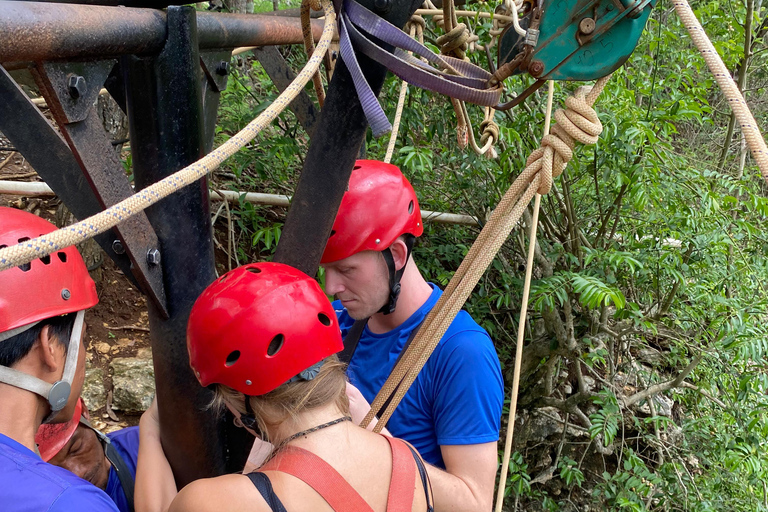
<point>150,420</point>
<point>359,407</point>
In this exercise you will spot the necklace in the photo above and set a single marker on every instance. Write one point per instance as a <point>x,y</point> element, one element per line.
<point>315,429</point>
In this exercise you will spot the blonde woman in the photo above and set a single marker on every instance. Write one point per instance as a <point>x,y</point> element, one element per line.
<point>265,335</point>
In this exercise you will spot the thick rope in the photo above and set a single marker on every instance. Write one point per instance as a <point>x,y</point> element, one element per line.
<point>749,126</point>
<point>543,165</point>
<point>25,252</point>
<point>415,27</point>
<point>521,326</point>
<point>309,45</point>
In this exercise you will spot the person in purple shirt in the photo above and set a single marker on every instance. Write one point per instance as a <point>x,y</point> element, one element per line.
<point>42,366</point>
<point>107,461</point>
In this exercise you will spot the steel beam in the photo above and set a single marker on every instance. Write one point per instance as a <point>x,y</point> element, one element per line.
<point>282,75</point>
<point>332,152</point>
<point>164,99</point>
<point>35,138</point>
<point>36,31</point>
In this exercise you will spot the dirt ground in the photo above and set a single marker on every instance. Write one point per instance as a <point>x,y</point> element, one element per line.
<point>117,326</point>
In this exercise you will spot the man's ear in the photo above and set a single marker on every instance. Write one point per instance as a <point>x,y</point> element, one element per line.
<point>399,253</point>
<point>51,351</point>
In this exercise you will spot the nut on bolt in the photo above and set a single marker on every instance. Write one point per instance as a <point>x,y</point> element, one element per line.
<point>153,257</point>
<point>76,86</point>
<point>382,6</point>
<point>536,68</point>
<point>117,246</point>
<point>587,26</point>
<point>223,68</point>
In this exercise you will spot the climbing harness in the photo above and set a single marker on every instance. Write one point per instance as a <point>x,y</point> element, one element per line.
<point>340,496</point>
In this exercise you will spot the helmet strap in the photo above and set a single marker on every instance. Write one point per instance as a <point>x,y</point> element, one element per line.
<point>57,394</point>
<point>395,275</point>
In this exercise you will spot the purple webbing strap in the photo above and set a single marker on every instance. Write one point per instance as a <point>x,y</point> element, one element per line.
<point>375,115</point>
<point>463,80</point>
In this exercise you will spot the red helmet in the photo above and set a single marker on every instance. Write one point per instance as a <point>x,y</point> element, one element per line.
<point>52,437</point>
<point>258,326</point>
<point>50,286</point>
<point>379,206</point>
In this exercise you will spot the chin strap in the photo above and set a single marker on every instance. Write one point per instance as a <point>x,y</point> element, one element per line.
<point>57,394</point>
<point>395,275</point>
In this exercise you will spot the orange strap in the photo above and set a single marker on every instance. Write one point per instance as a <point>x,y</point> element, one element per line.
<point>335,490</point>
<point>400,497</point>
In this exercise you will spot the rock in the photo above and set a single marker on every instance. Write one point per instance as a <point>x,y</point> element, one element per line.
<point>650,356</point>
<point>133,381</point>
<point>102,348</point>
<point>93,392</point>
<point>663,406</point>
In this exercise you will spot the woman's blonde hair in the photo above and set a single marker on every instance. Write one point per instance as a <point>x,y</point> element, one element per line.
<point>287,401</point>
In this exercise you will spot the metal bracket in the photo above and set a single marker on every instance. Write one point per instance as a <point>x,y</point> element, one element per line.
<point>90,144</point>
<point>216,68</point>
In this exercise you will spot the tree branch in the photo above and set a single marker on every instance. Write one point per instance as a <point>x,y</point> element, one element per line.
<point>663,386</point>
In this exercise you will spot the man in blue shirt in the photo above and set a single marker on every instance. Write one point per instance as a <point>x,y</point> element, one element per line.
<point>452,412</point>
<point>42,366</point>
<point>106,461</point>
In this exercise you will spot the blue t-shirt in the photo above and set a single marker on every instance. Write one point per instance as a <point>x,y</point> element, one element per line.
<point>126,442</point>
<point>27,484</point>
<point>457,397</point>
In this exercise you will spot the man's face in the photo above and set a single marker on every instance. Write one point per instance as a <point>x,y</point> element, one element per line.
<point>84,456</point>
<point>360,282</point>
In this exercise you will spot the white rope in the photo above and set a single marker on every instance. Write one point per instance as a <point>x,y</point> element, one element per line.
<point>25,252</point>
<point>521,326</point>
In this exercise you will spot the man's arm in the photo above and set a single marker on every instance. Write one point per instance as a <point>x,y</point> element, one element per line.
<point>467,483</point>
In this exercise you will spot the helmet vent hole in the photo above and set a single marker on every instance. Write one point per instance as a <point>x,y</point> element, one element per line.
<point>333,232</point>
<point>410,208</point>
<point>324,319</point>
<point>46,260</point>
<point>232,357</point>
<point>25,267</point>
<point>275,345</point>
<point>254,270</point>
<point>62,256</point>
<point>356,167</point>
<point>24,239</point>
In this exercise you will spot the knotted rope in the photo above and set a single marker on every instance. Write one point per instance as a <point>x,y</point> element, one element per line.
<point>39,247</point>
<point>579,122</point>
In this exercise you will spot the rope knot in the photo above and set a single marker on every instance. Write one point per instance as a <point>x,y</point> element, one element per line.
<point>455,41</point>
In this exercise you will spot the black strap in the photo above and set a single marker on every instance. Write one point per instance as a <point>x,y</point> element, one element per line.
<point>352,339</point>
<point>264,486</point>
<point>424,477</point>
<point>120,467</point>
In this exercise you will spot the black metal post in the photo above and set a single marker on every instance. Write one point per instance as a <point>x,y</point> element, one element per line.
<point>165,113</point>
<point>332,152</point>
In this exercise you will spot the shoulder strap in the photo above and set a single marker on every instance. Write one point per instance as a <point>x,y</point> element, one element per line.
<point>424,477</point>
<point>400,497</point>
<point>351,340</point>
<point>264,486</point>
<point>320,476</point>
<point>121,468</point>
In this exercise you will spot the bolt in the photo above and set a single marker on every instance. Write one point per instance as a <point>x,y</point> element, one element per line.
<point>117,246</point>
<point>76,86</point>
<point>382,5</point>
<point>223,68</point>
<point>334,55</point>
<point>153,257</point>
<point>66,294</point>
<point>587,26</point>
<point>536,68</point>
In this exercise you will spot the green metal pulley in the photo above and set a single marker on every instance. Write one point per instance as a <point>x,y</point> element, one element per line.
<point>577,40</point>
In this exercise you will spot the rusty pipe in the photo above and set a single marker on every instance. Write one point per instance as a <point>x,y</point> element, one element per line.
<point>35,31</point>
